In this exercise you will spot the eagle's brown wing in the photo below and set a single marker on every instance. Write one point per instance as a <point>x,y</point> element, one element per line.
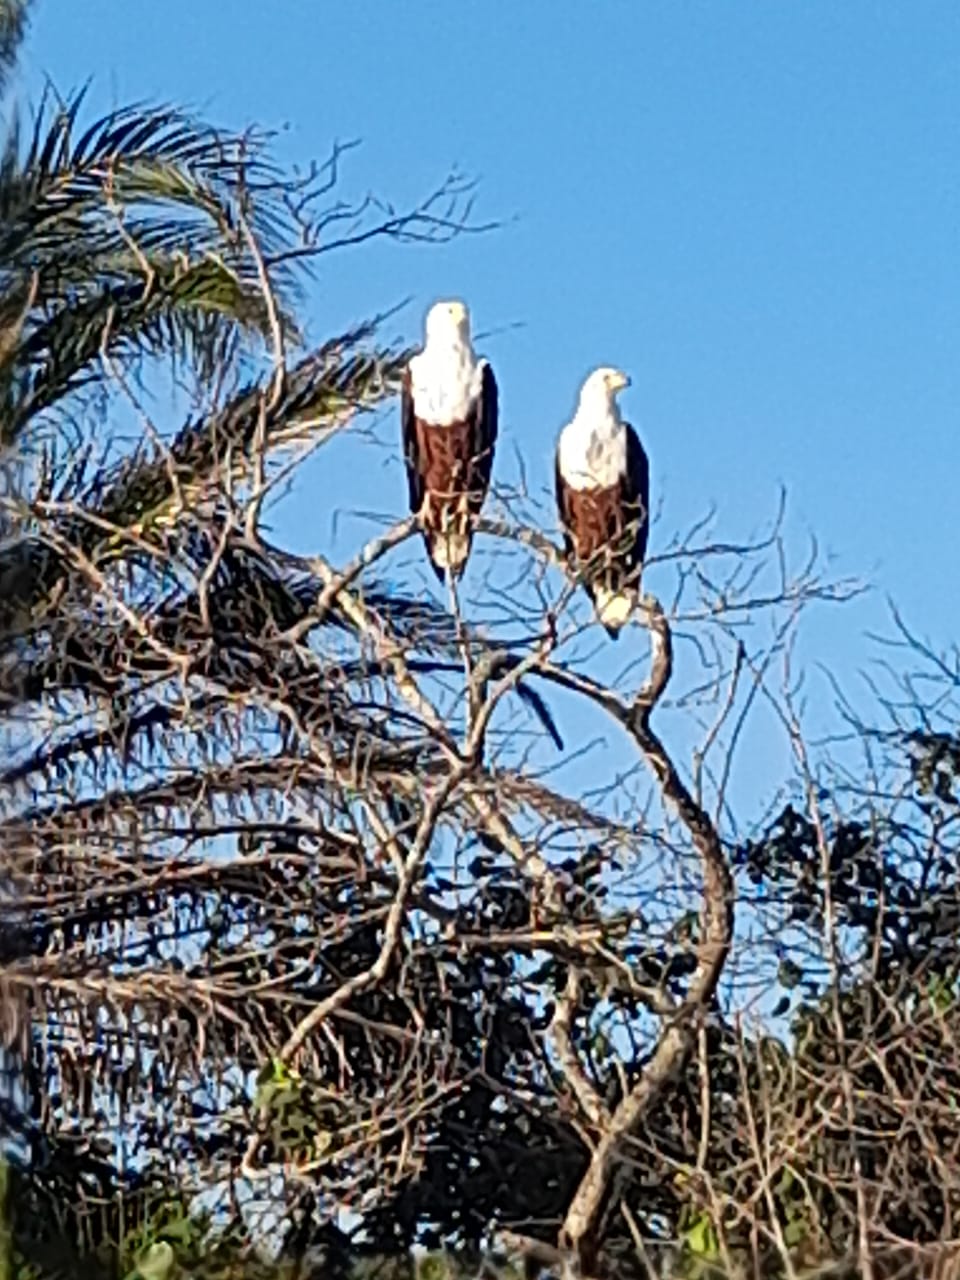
<point>408,432</point>
<point>484,423</point>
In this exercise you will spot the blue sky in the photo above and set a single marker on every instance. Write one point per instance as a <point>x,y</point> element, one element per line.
<point>753,208</point>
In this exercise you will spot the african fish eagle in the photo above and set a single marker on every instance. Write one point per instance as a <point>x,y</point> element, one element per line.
<point>603,498</point>
<point>449,422</point>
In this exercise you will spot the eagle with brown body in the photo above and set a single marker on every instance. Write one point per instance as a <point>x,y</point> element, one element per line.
<point>603,498</point>
<point>449,412</point>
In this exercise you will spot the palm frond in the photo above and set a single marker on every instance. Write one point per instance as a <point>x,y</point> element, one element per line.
<point>177,310</point>
<point>133,158</point>
<point>343,377</point>
<point>146,493</point>
<point>135,237</point>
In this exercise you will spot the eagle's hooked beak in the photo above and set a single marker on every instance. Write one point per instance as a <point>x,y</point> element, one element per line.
<point>618,380</point>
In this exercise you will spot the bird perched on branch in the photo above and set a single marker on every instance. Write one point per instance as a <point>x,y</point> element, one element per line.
<point>603,498</point>
<point>449,421</point>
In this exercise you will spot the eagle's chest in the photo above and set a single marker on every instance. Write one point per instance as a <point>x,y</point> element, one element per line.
<point>593,457</point>
<point>598,452</point>
<point>444,389</point>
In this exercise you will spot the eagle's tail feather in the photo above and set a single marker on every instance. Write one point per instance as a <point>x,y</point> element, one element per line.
<point>449,551</point>
<point>614,608</point>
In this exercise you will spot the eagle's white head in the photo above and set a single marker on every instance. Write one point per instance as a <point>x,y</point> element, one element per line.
<point>599,391</point>
<point>448,323</point>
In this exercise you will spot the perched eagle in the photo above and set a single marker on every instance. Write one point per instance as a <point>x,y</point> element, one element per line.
<point>603,498</point>
<point>449,412</point>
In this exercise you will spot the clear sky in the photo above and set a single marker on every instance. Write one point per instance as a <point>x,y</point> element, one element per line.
<point>753,208</point>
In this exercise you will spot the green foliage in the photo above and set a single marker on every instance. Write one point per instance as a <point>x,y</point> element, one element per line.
<point>699,1238</point>
<point>167,1234</point>
<point>156,1262</point>
<point>294,1119</point>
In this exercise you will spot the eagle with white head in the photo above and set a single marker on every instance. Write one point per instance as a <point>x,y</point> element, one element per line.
<point>449,421</point>
<point>603,498</point>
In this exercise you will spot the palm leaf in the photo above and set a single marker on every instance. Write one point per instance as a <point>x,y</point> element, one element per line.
<point>136,155</point>
<point>136,236</point>
<point>177,310</point>
<point>145,493</point>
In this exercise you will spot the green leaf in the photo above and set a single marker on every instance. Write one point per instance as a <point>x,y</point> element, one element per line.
<point>700,1238</point>
<point>940,993</point>
<point>155,1263</point>
<point>275,1071</point>
<point>795,1232</point>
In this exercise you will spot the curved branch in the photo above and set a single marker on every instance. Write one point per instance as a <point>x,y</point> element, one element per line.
<point>583,1222</point>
